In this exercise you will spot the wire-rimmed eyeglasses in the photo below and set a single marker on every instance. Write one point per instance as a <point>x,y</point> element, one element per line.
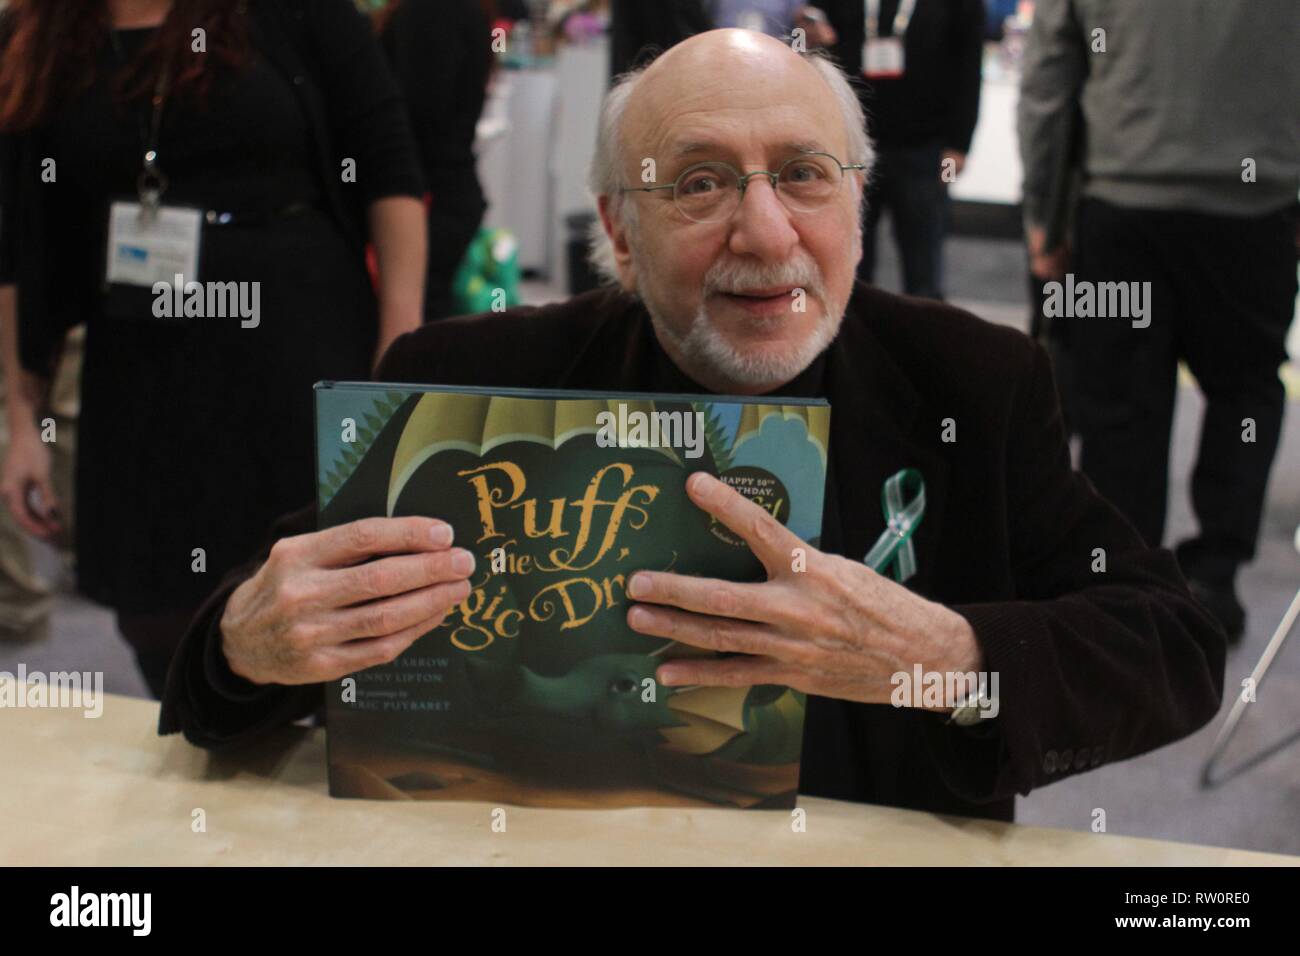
<point>712,191</point>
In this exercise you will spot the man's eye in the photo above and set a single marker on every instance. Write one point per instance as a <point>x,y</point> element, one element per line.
<point>804,173</point>
<point>699,184</point>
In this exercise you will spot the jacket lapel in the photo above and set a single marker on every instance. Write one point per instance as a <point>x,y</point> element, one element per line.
<point>877,428</point>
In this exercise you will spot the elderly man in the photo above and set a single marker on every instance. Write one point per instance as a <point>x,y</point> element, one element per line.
<point>730,176</point>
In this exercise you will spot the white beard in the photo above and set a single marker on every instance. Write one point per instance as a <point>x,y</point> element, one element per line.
<point>711,358</point>
<point>710,350</point>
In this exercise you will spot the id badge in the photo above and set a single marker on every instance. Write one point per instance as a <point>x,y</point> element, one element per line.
<point>144,250</point>
<point>882,58</point>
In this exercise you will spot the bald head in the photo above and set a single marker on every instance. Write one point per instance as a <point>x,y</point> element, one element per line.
<point>739,71</point>
<point>718,77</point>
<point>744,301</point>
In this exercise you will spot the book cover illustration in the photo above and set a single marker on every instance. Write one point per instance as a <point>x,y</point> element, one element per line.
<point>534,690</point>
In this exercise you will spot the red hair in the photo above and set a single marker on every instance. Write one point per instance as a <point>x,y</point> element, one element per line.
<point>51,47</point>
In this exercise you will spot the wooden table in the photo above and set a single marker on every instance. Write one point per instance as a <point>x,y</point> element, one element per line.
<point>109,791</point>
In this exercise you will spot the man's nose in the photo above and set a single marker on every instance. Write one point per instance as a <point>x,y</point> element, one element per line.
<point>761,226</point>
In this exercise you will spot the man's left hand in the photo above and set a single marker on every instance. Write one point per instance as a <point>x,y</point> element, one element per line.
<point>835,629</point>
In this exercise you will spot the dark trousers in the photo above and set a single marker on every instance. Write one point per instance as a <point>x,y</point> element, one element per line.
<point>1222,296</point>
<point>906,181</point>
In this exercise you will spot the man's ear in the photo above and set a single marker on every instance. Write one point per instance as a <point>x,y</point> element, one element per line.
<point>617,235</point>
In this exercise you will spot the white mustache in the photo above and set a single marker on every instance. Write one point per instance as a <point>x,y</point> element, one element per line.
<point>739,277</point>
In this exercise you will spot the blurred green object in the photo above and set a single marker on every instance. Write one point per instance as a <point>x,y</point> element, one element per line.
<point>488,277</point>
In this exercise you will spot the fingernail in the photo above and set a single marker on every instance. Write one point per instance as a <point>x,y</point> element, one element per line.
<point>639,586</point>
<point>667,676</point>
<point>442,535</point>
<point>702,482</point>
<point>462,562</point>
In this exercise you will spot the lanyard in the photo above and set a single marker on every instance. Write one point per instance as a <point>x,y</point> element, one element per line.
<point>151,183</point>
<point>901,19</point>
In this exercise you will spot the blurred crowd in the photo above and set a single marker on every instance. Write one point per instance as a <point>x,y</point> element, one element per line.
<point>331,145</point>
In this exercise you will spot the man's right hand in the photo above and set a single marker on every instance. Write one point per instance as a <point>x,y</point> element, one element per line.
<point>328,604</point>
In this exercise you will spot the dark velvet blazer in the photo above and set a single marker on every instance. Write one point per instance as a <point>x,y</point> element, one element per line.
<point>1094,666</point>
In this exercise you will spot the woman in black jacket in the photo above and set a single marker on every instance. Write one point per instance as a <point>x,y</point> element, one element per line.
<point>270,134</point>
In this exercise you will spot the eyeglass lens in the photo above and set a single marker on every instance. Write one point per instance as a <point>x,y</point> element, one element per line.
<point>710,191</point>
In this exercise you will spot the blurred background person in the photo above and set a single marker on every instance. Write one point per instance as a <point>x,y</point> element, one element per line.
<point>639,30</point>
<point>196,431</point>
<point>998,11</point>
<point>919,64</point>
<point>25,597</point>
<point>777,18</point>
<point>441,54</point>
<point>512,10</point>
<point>1190,163</point>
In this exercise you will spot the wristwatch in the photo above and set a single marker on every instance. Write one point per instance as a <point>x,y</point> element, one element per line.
<point>969,713</point>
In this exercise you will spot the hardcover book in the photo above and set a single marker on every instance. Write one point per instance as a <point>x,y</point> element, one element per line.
<point>534,690</point>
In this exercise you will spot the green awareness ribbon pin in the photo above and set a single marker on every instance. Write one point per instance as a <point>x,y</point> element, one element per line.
<point>903,501</point>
